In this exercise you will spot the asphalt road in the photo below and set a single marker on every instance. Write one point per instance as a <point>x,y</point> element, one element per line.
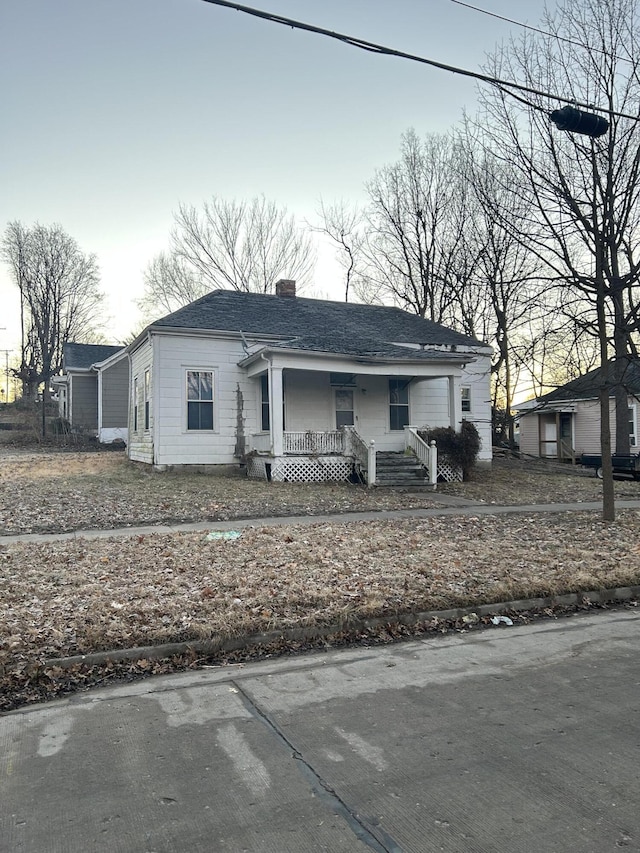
<point>521,738</point>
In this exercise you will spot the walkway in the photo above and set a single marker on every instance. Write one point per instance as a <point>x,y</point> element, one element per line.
<point>454,506</point>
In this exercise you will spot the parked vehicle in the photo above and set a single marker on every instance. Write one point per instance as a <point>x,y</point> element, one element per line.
<point>629,465</point>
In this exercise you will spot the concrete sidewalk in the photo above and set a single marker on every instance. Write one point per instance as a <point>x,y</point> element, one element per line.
<point>461,506</point>
<point>507,739</point>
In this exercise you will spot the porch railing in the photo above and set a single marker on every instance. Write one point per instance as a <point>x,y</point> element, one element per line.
<point>427,454</point>
<point>363,452</point>
<point>312,442</point>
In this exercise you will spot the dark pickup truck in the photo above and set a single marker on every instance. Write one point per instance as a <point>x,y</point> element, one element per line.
<point>629,465</point>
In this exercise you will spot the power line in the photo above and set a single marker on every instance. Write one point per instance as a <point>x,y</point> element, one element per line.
<point>372,47</point>
<point>537,30</point>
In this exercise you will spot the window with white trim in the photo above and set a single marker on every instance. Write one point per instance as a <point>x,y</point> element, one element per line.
<point>135,404</point>
<point>632,426</point>
<point>398,403</point>
<point>344,407</point>
<point>265,406</point>
<point>147,389</point>
<point>465,394</point>
<point>200,399</point>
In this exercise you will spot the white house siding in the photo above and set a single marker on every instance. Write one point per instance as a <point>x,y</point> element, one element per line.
<point>310,405</point>
<point>174,444</point>
<point>140,446</point>
<point>477,377</point>
<point>308,401</point>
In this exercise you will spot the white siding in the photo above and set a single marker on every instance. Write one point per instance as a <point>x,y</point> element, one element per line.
<point>174,443</point>
<point>309,401</point>
<point>477,377</point>
<point>140,446</point>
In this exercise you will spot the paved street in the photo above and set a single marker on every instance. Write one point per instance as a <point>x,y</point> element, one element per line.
<point>509,739</point>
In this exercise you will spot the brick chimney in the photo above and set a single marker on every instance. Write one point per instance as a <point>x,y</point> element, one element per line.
<point>286,287</point>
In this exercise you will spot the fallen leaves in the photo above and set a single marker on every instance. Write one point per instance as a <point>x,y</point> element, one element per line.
<point>83,595</point>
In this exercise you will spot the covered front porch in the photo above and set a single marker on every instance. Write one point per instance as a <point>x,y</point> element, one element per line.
<point>327,418</point>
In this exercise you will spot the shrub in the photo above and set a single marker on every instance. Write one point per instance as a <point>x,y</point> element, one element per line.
<point>59,426</point>
<point>461,448</point>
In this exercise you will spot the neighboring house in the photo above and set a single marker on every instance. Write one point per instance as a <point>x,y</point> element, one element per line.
<point>299,389</point>
<point>93,390</point>
<point>566,422</point>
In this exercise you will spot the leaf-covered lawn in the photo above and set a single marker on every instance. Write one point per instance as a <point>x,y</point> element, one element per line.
<point>67,598</point>
<point>75,597</point>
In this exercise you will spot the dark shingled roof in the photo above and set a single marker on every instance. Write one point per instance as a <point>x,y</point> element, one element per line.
<point>362,348</point>
<point>82,356</point>
<point>285,316</point>
<point>587,387</point>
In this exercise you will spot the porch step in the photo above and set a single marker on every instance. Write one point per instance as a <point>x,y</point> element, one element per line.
<point>398,469</point>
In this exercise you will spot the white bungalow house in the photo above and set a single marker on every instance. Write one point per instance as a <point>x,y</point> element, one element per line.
<point>565,423</point>
<point>299,389</point>
<point>93,390</point>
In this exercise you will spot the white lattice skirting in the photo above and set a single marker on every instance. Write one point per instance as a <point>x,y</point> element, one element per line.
<point>301,469</point>
<point>449,472</point>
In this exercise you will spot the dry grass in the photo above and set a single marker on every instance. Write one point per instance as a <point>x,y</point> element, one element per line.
<point>68,598</point>
<point>71,597</point>
<point>55,492</point>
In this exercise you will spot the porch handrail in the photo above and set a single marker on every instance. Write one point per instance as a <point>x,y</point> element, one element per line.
<point>364,452</point>
<point>313,441</point>
<point>427,454</point>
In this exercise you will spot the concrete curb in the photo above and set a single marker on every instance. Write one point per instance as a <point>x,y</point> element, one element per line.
<point>355,626</point>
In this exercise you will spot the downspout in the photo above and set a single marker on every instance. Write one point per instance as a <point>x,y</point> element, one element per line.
<point>99,372</point>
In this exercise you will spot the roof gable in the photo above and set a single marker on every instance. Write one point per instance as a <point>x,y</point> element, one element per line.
<point>286,316</point>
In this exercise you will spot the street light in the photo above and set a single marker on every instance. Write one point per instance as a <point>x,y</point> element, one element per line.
<point>574,120</point>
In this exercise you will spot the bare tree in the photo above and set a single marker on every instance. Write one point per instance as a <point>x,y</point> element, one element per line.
<point>504,291</point>
<point>410,244</point>
<point>343,224</point>
<point>59,297</point>
<point>170,283</point>
<point>436,244</point>
<point>583,195</point>
<point>233,245</point>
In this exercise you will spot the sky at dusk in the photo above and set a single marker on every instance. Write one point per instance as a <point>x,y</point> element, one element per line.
<point>116,111</point>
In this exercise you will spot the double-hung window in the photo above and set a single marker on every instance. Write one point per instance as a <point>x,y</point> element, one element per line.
<point>147,390</point>
<point>135,404</point>
<point>265,410</point>
<point>465,393</point>
<point>632,426</point>
<point>199,400</point>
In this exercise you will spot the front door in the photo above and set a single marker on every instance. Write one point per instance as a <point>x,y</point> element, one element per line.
<point>566,439</point>
<point>550,439</point>
<point>344,407</point>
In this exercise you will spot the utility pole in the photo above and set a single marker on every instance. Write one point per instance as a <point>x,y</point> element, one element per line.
<point>6,355</point>
<point>573,120</point>
<point>6,371</point>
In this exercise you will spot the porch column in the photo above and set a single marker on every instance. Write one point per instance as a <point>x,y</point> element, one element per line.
<point>455,403</point>
<point>276,400</point>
